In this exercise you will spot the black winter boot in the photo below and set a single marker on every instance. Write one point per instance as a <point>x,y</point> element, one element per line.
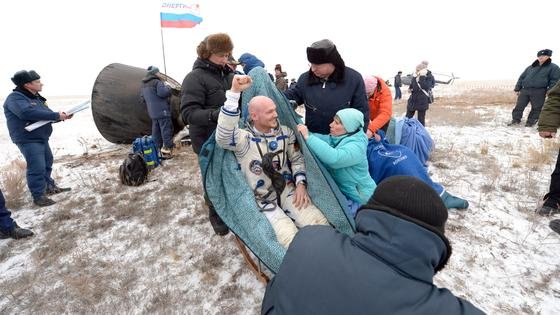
<point>44,201</point>
<point>220,228</point>
<point>555,225</point>
<point>16,233</point>
<point>550,207</point>
<point>56,190</point>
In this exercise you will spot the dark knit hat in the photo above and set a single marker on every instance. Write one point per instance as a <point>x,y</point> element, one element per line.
<point>411,199</point>
<point>153,70</point>
<point>213,44</point>
<point>544,52</point>
<point>23,76</point>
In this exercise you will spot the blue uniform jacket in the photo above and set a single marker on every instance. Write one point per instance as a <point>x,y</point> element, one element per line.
<point>156,94</point>
<point>22,110</point>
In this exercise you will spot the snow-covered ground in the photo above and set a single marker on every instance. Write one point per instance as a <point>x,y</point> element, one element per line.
<point>110,248</point>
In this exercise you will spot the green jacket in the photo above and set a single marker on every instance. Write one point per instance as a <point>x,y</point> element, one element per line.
<point>549,120</point>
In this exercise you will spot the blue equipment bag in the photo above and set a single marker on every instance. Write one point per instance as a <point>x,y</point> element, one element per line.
<point>147,147</point>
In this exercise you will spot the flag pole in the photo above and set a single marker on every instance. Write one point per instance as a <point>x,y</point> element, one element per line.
<point>163,49</point>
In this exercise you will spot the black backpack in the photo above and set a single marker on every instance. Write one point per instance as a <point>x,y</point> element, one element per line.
<point>133,171</point>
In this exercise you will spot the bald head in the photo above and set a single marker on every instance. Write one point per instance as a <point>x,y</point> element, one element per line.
<point>262,111</point>
<point>257,103</point>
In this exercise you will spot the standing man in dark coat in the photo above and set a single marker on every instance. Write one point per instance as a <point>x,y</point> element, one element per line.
<point>398,84</point>
<point>203,93</point>
<point>328,87</point>
<point>23,107</point>
<point>387,267</point>
<point>532,86</point>
<point>156,95</point>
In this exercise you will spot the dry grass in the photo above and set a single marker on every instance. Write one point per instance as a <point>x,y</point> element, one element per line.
<point>14,184</point>
<point>484,148</point>
<point>467,109</point>
<point>543,155</point>
<point>78,269</point>
<point>478,98</point>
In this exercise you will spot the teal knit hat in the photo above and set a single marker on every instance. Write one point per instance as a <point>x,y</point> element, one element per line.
<point>351,118</point>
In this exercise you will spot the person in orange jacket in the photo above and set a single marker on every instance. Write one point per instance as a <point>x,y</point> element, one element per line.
<point>380,103</point>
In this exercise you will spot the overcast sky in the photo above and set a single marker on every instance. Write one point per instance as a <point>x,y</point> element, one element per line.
<point>69,42</point>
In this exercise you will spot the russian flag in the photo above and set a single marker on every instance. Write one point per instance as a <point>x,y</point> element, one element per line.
<point>179,15</point>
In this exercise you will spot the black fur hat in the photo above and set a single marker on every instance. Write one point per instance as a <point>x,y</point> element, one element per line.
<point>23,76</point>
<point>324,51</point>
<point>411,199</point>
<point>213,44</point>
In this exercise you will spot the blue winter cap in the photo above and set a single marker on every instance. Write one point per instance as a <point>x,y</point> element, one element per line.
<point>250,61</point>
<point>351,118</point>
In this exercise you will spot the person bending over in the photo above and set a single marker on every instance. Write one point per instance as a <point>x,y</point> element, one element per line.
<point>387,267</point>
<point>343,152</point>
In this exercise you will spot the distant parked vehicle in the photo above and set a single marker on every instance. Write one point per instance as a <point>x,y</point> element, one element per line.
<point>440,78</point>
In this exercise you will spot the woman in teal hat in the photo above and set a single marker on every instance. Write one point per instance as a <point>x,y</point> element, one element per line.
<point>343,152</point>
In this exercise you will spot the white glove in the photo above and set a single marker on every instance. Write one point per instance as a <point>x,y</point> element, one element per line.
<point>232,101</point>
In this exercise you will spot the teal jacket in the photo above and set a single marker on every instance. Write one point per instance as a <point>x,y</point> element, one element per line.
<point>345,159</point>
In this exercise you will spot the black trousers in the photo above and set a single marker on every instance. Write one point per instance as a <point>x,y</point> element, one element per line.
<point>554,192</point>
<point>536,97</point>
<point>421,116</point>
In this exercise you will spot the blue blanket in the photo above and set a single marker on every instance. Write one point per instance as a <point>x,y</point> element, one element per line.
<point>386,160</point>
<point>415,137</point>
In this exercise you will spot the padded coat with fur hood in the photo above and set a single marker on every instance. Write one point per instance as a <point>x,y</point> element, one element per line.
<point>203,93</point>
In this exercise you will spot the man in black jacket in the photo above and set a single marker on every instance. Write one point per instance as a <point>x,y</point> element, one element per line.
<point>387,267</point>
<point>532,86</point>
<point>202,95</point>
<point>328,87</point>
